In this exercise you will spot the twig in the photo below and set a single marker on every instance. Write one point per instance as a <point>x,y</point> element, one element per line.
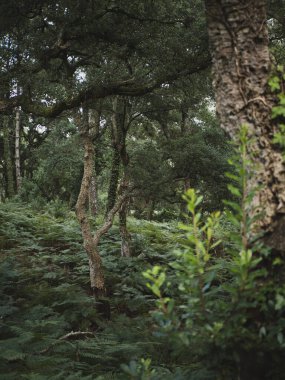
<point>71,334</point>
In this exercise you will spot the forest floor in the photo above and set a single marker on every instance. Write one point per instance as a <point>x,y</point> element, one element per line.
<point>51,326</point>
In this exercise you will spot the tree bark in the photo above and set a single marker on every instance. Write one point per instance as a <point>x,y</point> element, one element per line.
<point>8,159</point>
<point>114,179</point>
<point>91,241</point>
<point>124,233</point>
<point>95,263</point>
<point>241,68</point>
<point>17,150</point>
<point>120,125</point>
<point>93,202</point>
<point>94,124</point>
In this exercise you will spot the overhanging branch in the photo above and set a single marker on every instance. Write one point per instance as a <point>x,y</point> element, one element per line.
<point>99,91</point>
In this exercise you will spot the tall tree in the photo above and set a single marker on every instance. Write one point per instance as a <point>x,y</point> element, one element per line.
<point>241,68</point>
<point>242,65</point>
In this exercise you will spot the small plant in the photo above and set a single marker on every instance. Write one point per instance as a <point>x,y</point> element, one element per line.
<point>278,112</point>
<point>139,370</point>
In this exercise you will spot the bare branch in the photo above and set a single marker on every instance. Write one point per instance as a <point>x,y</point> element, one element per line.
<point>72,334</point>
<point>110,216</point>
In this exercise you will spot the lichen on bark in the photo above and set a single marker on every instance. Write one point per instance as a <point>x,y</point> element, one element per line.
<point>241,68</point>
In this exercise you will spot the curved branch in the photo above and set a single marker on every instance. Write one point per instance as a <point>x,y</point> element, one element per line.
<point>98,91</point>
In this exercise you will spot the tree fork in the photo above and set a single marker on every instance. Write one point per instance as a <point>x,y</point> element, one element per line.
<point>95,263</point>
<point>90,241</point>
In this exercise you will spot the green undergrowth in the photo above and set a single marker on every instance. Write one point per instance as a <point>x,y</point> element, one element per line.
<point>45,296</point>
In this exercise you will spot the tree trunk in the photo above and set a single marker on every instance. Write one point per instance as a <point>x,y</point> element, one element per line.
<point>150,209</point>
<point>120,124</point>
<point>91,242</point>
<point>94,124</point>
<point>114,179</point>
<point>124,233</point>
<point>241,68</point>
<point>17,150</point>
<point>93,203</point>
<point>95,263</point>
<point>8,158</point>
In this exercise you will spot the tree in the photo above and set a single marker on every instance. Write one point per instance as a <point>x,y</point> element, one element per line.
<point>241,69</point>
<point>17,150</point>
<point>10,191</point>
<point>242,66</point>
<point>113,48</point>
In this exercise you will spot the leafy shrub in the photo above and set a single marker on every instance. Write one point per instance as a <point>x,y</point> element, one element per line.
<point>226,319</point>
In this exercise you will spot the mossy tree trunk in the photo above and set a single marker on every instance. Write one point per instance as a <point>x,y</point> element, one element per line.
<point>90,240</point>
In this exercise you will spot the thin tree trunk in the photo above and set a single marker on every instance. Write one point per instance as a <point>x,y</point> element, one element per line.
<point>17,150</point>
<point>94,123</point>
<point>90,241</point>
<point>120,124</point>
<point>241,68</point>
<point>150,209</point>
<point>184,111</point>
<point>8,158</point>
<point>95,263</point>
<point>114,179</point>
<point>124,233</point>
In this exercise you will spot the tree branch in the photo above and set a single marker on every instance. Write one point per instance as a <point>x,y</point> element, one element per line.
<point>110,216</point>
<point>127,87</point>
<point>72,334</point>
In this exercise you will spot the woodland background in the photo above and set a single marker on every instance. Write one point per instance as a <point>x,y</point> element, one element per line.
<point>112,265</point>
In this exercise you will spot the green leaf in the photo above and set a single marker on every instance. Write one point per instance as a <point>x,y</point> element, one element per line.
<point>234,190</point>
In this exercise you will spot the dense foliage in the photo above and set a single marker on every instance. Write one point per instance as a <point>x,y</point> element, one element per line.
<point>207,317</point>
<point>141,237</point>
